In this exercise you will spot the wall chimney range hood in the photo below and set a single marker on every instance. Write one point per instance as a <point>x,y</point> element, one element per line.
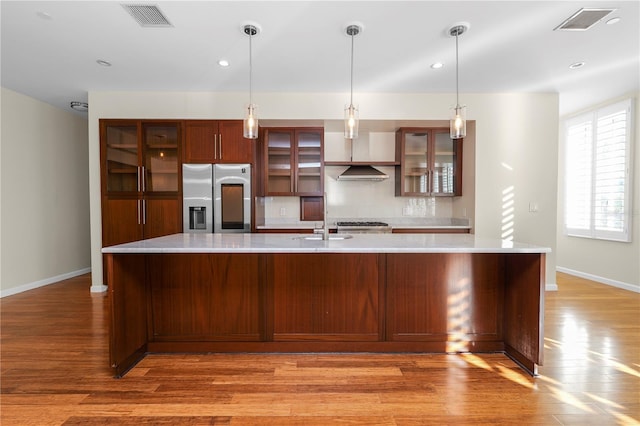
<point>363,172</point>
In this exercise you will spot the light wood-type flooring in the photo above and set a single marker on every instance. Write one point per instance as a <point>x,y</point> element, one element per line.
<point>54,371</point>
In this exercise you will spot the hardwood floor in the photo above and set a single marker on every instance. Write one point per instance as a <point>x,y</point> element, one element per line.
<point>54,371</point>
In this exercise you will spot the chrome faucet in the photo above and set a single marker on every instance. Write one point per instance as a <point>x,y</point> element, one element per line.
<point>325,224</point>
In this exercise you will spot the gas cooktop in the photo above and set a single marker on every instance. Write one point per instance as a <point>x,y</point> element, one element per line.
<point>361,223</point>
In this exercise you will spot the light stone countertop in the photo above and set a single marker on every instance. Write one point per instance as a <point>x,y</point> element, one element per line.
<point>295,243</point>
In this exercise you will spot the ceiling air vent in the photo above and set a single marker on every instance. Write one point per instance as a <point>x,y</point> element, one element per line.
<point>583,19</point>
<point>147,15</point>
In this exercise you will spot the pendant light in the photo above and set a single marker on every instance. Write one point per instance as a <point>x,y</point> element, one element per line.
<point>351,111</point>
<point>250,124</point>
<point>458,122</point>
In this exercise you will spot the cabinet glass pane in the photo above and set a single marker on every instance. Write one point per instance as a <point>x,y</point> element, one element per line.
<point>161,158</point>
<point>122,158</point>
<point>309,162</point>
<point>443,165</point>
<point>416,154</point>
<point>279,178</point>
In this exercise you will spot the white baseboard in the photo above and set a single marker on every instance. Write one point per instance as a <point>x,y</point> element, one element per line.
<point>42,283</point>
<point>551,287</point>
<point>99,288</point>
<point>607,281</point>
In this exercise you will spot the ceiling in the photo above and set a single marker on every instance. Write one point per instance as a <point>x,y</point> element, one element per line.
<point>50,48</point>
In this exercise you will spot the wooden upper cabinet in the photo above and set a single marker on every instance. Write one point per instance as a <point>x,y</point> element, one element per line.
<point>120,157</point>
<point>293,161</point>
<point>430,162</point>
<point>140,157</point>
<point>215,141</point>
<point>141,174</point>
<point>160,164</point>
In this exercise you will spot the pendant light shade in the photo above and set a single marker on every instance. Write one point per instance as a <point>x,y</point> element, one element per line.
<point>250,124</point>
<point>351,118</point>
<point>458,121</point>
<point>351,121</point>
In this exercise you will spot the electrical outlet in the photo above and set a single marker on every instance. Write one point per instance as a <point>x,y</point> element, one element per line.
<point>533,207</point>
<point>283,211</point>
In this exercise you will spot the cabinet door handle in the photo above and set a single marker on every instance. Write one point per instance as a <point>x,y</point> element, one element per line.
<point>138,211</point>
<point>138,174</point>
<point>144,178</point>
<point>215,146</point>
<point>220,142</point>
<point>144,212</point>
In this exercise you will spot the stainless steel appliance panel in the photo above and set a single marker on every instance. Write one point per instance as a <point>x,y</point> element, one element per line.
<point>232,198</point>
<point>197,198</point>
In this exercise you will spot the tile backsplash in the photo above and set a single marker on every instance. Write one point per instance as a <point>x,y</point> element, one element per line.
<point>361,199</point>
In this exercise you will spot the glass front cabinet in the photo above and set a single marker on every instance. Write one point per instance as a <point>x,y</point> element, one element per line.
<point>430,162</point>
<point>140,177</point>
<point>294,161</point>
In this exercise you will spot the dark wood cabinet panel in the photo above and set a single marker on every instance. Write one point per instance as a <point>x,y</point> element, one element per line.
<point>128,326</point>
<point>162,217</point>
<point>523,303</point>
<point>121,220</point>
<point>200,141</point>
<point>326,297</point>
<point>206,297</point>
<point>234,147</point>
<point>453,298</point>
<point>311,208</point>
<point>216,141</point>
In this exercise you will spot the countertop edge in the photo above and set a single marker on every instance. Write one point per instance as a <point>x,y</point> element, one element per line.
<point>293,243</point>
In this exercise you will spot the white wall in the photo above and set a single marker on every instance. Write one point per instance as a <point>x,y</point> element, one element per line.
<point>45,194</point>
<point>515,146</point>
<point>610,262</point>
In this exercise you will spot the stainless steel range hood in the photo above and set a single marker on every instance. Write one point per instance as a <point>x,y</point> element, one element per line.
<point>363,172</point>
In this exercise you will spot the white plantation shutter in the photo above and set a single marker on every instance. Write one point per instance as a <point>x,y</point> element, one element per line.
<point>598,157</point>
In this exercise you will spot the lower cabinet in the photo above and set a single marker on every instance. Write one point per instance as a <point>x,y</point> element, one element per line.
<point>131,219</point>
<point>206,297</point>
<point>453,298</point>
<point>325,302</point>
<point>327,297</point>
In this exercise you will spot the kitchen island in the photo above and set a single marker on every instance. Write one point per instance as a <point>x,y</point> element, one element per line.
<point>439,293</point>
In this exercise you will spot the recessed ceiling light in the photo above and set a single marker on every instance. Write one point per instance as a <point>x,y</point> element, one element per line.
<point>576,65</point>
<point>103,63</point>
<point>437,65</point>
<point>614,20</point>
<point>79,106</point>
<point>44,15</point>
<point>223,63</point>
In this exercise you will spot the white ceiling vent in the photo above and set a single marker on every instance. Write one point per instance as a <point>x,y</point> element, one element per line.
<point>583,19</point>
<point>147,15</point>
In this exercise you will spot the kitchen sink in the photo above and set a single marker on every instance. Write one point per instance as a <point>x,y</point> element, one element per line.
<point>333,237</point>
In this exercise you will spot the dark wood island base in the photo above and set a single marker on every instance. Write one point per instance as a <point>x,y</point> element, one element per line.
<point>326,302</point>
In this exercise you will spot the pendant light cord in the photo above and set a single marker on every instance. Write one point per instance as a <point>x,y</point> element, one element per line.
<point>457,90</point>
<point>351,98</point>
<point>251,67</point>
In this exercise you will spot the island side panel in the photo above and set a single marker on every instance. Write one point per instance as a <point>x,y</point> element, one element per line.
<point>452,300</point>
<point>206,297</point>
<point>524,309</point>
<point>326,297</point>
<point>128,299</point>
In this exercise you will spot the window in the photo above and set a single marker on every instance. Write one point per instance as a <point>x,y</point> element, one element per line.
<point>598,173</point>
